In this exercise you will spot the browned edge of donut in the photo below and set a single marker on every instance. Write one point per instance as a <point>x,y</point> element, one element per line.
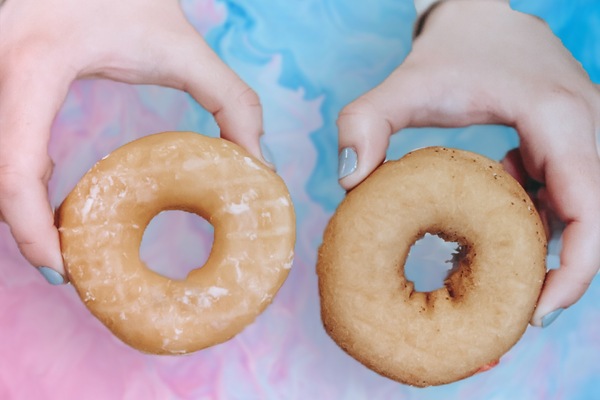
<point>334,324</point>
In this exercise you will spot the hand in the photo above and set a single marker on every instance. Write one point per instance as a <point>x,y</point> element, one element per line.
<point>483,63</point>
<point>47,45</point>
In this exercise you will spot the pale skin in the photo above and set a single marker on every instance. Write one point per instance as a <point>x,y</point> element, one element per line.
<point>134,41</point>
<point>476,62</point>
<point>479,62</point>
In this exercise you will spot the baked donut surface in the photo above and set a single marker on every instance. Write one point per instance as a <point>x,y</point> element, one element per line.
<point>372,311</point>
<point>102,222</point>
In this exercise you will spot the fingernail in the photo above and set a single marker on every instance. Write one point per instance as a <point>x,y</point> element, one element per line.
<point>551,317</point>
<point>53,277</point>
<point>266,153</point>
<point>347,163</point>
<point>552,262</point>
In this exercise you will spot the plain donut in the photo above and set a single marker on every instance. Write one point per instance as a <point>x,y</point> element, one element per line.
<point>372,311</point>
<point>102,221</point>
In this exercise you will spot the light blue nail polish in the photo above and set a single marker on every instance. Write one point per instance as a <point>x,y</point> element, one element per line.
<point>552,262</point>
<point>347,163</point>
<point>53,277</point>
<point>551,317</point>
<point>266,153</point>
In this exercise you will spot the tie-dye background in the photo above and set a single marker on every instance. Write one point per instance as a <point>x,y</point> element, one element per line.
<point>306,59</point>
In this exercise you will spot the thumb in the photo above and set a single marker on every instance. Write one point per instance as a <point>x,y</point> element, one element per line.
<point>558,142</point>
<point>29,100</point>
<point>366,124</point>
<point>26,210</point>
<point>191,65</point>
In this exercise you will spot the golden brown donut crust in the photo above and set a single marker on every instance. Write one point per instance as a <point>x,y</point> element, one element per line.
<point>102,221</point>
<point>373,312</point>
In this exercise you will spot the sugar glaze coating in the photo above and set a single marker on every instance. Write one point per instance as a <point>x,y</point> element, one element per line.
<point>102,222</point>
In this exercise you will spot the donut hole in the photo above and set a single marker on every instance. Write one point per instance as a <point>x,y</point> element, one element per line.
<point>431,260</point>
<point>175,243</point>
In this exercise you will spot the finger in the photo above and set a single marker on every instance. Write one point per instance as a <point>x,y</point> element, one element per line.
<point>572,176</point>
<point>513,164</point>
<point>363,141</point>
<point>30,96</point>
<point>410,96</point>
<point>366,124</point>
<point>577,205</point>
<point>189,64</point>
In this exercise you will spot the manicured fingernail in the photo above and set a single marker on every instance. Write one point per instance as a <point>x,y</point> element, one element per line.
<point>266,153</point>
<point>552,261</point>
<point>53,277</point>
<point>347,163</point>
<point>551,317</point>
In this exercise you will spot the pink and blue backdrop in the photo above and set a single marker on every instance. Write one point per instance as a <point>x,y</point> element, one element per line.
<point>306,59</point>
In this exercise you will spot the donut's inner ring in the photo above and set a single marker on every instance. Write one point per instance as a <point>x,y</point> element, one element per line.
<point>176,242</point>
<point>459,281</point>
<point>431,261</point>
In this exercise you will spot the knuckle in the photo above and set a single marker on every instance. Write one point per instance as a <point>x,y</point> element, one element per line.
<point>580,283</point>
<point>11,182</point>
<point>561,102</point>
<point>247,97</point>
<point>362,107</point>
<point>22,59</point>
<point>19,171</point>
<point>364,112</point>
<point>349,110</point>
<point>238,95</point>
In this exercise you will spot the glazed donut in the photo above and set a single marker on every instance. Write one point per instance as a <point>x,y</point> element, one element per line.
<point>102,221</point>
<point>372,311</point>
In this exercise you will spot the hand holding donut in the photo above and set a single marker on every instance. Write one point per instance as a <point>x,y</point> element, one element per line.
<point>483,63</point>
<point>45,46</point>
